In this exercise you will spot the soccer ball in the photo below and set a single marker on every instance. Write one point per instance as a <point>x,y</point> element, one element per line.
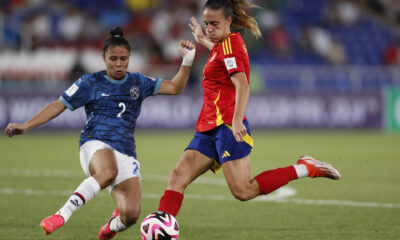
<point>159,226</point>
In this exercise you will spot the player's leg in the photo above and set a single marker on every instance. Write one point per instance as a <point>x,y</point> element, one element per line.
<point>191,165</point>
<point>126,192</point>
<point>235,161</point>
<point>237,175</point>
<point>127,196</point>
<point>307,166</point>
<point>99,163</point>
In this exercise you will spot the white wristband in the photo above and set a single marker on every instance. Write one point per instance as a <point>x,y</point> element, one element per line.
<point>189,57</point>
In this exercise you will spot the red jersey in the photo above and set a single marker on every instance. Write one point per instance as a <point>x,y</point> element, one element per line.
<point>225,58</point>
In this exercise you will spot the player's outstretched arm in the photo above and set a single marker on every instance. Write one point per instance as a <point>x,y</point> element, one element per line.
<point>175,86</point>
<point>46,114</point>
<point>198,34</point>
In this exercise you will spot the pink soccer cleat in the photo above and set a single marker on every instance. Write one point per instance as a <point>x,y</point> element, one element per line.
<point>105,232</point>
<point>318,169</point>
<point>51,223</point>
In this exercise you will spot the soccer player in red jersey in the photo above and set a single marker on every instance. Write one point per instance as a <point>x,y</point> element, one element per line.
<point>222,138</point>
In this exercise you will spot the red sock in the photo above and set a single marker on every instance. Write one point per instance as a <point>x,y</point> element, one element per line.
<point>171,202</point>
<point>271,180</point>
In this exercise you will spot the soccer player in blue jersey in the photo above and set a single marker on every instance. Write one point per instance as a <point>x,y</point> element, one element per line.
<point>112,101</point>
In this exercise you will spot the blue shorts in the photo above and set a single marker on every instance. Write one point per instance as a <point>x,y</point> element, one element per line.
<point>220,145</point>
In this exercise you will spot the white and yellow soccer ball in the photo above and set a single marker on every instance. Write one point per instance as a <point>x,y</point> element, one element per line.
<point>159,226</point>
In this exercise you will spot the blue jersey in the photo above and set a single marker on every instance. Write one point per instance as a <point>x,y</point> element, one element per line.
<point>111,106</point>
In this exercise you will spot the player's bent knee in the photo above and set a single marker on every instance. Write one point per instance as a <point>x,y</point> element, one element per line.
<point>129,221</point>
<point>244,194</point>
<point>241,196</point>
<point>130,216</point>
<point>106,176</point>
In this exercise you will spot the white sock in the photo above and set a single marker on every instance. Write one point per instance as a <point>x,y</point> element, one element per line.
<point>86,191</point>
<point>301,170</point>
<point>116,225</point>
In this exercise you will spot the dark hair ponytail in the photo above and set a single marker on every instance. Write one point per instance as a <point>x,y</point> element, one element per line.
<point>237,10</point>
<point>116,39</point>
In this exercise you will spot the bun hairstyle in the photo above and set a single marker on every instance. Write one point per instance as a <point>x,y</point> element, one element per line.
<point>117,32</point>
<point>116,39</point>
<point>237,10</point>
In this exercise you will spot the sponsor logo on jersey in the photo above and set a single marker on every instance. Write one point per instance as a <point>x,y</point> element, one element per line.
<point>105,95</point>
<point>72,90</point>
<point>230,63</point>
<point>134,92</point>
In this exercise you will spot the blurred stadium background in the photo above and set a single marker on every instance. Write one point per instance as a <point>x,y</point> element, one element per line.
<point>325,81</point>
<point>325,64</point>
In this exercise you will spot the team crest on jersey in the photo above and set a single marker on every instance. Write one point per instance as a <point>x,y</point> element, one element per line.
<point>134,92</point>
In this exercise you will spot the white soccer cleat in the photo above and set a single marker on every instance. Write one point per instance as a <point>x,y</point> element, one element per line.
<point>319,169</point>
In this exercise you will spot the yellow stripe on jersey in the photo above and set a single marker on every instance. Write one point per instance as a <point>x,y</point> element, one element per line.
<point>226,46</point>
<point>223,47</point>
<point>219,115</point>
<point>230,46</point>
<point>247,138</point>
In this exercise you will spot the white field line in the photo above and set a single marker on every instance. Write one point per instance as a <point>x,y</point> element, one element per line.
<point>276,199</point>
<point>79,174</point>
<point>283,195</point>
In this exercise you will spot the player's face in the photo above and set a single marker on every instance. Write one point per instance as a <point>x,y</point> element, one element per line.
<point>217,26</point>
<point>117,60</point>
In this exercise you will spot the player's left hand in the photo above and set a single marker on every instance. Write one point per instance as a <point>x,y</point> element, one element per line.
<point>199,35</point>
<point>239,131</point>
<point>197,31</point>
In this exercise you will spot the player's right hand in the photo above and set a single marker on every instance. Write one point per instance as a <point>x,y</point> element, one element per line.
<point>188,51</point>
<point>14,129</point>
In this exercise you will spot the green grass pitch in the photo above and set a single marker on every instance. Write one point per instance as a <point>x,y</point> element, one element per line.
<point>41,169</point>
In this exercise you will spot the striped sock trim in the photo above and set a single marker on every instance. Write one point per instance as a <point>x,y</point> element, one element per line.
<point>81,197</point>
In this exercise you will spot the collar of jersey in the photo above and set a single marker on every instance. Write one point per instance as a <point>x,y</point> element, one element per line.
<point>230,34</point>
<point>117,81</point>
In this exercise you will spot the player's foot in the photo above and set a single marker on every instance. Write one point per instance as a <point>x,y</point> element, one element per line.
<point>105,232</point>
<point>318,169</point>
<point>51,223</point>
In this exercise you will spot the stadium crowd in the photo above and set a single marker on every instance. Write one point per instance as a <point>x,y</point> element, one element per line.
<point>70,33</point>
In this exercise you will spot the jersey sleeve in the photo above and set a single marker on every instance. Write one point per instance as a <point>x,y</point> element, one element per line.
<point>150,86</point>
<point>234,55</point>
<point>77,95</point>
